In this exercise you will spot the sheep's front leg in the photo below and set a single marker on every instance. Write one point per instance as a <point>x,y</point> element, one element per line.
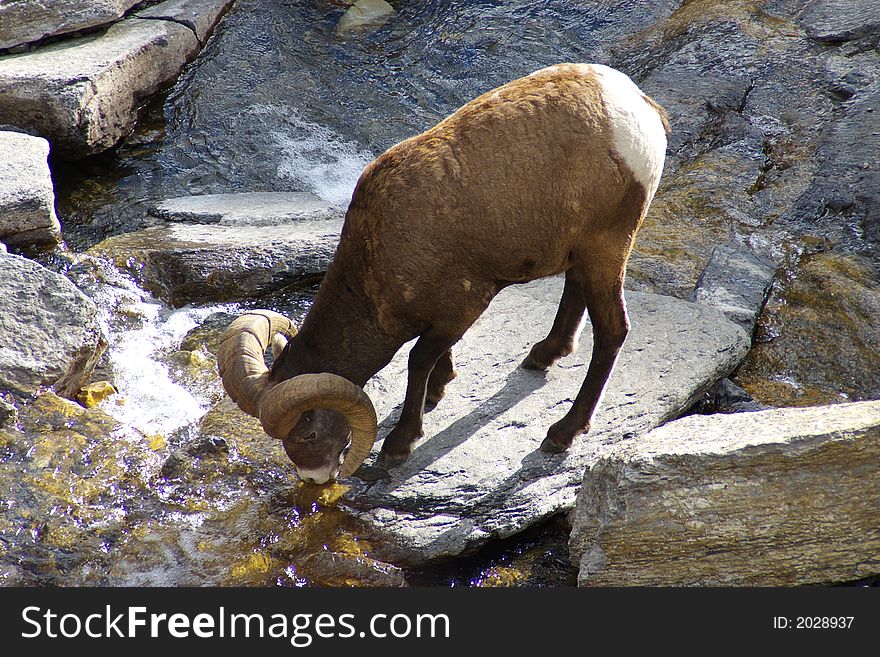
<point>422,359</point>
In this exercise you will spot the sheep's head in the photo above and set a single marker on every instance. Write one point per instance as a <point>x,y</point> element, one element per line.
<point>313,415</point>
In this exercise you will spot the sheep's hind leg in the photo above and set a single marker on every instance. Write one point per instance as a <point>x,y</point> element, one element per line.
<point>607,309</point>
<point>423,357</point>
<point>443,373</point>
<point>563,336</point>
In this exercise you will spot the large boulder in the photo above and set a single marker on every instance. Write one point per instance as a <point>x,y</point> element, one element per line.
<point>478,474</point>
<point>49,334</point>
<point>248,250</point>
<point>27,199</point>
<point>25,22</point>
<point>776,497</point>
<point>83,94</point>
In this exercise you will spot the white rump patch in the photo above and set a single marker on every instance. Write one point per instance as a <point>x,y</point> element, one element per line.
<point>637,131</point>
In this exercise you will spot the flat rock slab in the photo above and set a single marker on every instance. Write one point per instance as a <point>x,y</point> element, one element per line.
<point>25,21</point>
<point>192,263</point>
<point>479,475</point>
<point>778,497</point>
<point>83,94</point>
<point>736,282</point>
<point>248,209</point>
<point>198,15</point>
<point>27,198</point>
<point>50,337</point>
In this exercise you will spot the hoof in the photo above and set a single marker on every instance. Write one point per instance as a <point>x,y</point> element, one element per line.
<point>551,447</point>
<point>386,461</point>
<point>531,363</point>
<point>433,398</point>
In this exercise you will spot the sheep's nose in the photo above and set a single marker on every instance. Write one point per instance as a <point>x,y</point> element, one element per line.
<point>314,477</point>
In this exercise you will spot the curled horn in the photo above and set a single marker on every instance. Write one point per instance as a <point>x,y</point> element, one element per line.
<point>241,357</point>
<point>245,378</point>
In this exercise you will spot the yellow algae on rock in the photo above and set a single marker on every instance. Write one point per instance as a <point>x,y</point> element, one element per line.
<point>253,564</point>
<point>94,393</point>
<point>501,576</point>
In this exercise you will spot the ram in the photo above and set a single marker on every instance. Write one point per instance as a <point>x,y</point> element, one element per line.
<point>547,174</point>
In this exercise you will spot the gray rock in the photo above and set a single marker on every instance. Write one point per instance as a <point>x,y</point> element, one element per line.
<point>24,21</point>
<point>737,283</point>
<point>27,199</point>
<point>727,397</point>
<point>8,412</point>
<point>190,263</point>
<point>48,332</point>
<point>250,209</point>
<point>840,20</point>
<point>478,474</point>
<point>83,94</point>
<point>847,183</point>
<point>779,497</point>
<point>365,15</point>
<point>327,568</point>
<point>198,15</point>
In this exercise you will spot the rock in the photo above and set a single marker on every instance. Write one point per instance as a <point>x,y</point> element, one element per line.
<point>8,412</point>
<point>774,498</point>
<point>363,15</point>
<point>736,282</point>
<point>201,16</point>
<point>326,568</point>
<point>818,341</point>
<point>51,337</point>
<point>847,183</point>
<point>83,94</point>
<point>727,397</point>
<point>27,199</point>
<point>840,20</point>
<point>192,263</point>
<point>26,22</point>
<point>479,475</point>
<point>249,209</point>
<point>92,394</point>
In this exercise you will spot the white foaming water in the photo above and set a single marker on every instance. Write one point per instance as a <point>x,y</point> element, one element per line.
<point>138,329</point>
<point>315,156</point>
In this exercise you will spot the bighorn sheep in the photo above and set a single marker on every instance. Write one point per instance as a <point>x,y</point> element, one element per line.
<point>546,174</point>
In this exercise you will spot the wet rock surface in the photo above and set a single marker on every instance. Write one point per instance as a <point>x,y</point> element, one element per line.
<point>774,150</point>
<point>478,473</point>
<point>215,507</point>
<point>49,337</point>
<point>27,200</point>
<point>822,322</point>
<point>693,502</point>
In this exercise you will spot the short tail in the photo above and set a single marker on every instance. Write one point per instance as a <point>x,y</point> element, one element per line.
<point>664,117</point>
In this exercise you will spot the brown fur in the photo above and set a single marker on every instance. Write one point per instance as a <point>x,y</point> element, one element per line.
<point>519,184</point>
